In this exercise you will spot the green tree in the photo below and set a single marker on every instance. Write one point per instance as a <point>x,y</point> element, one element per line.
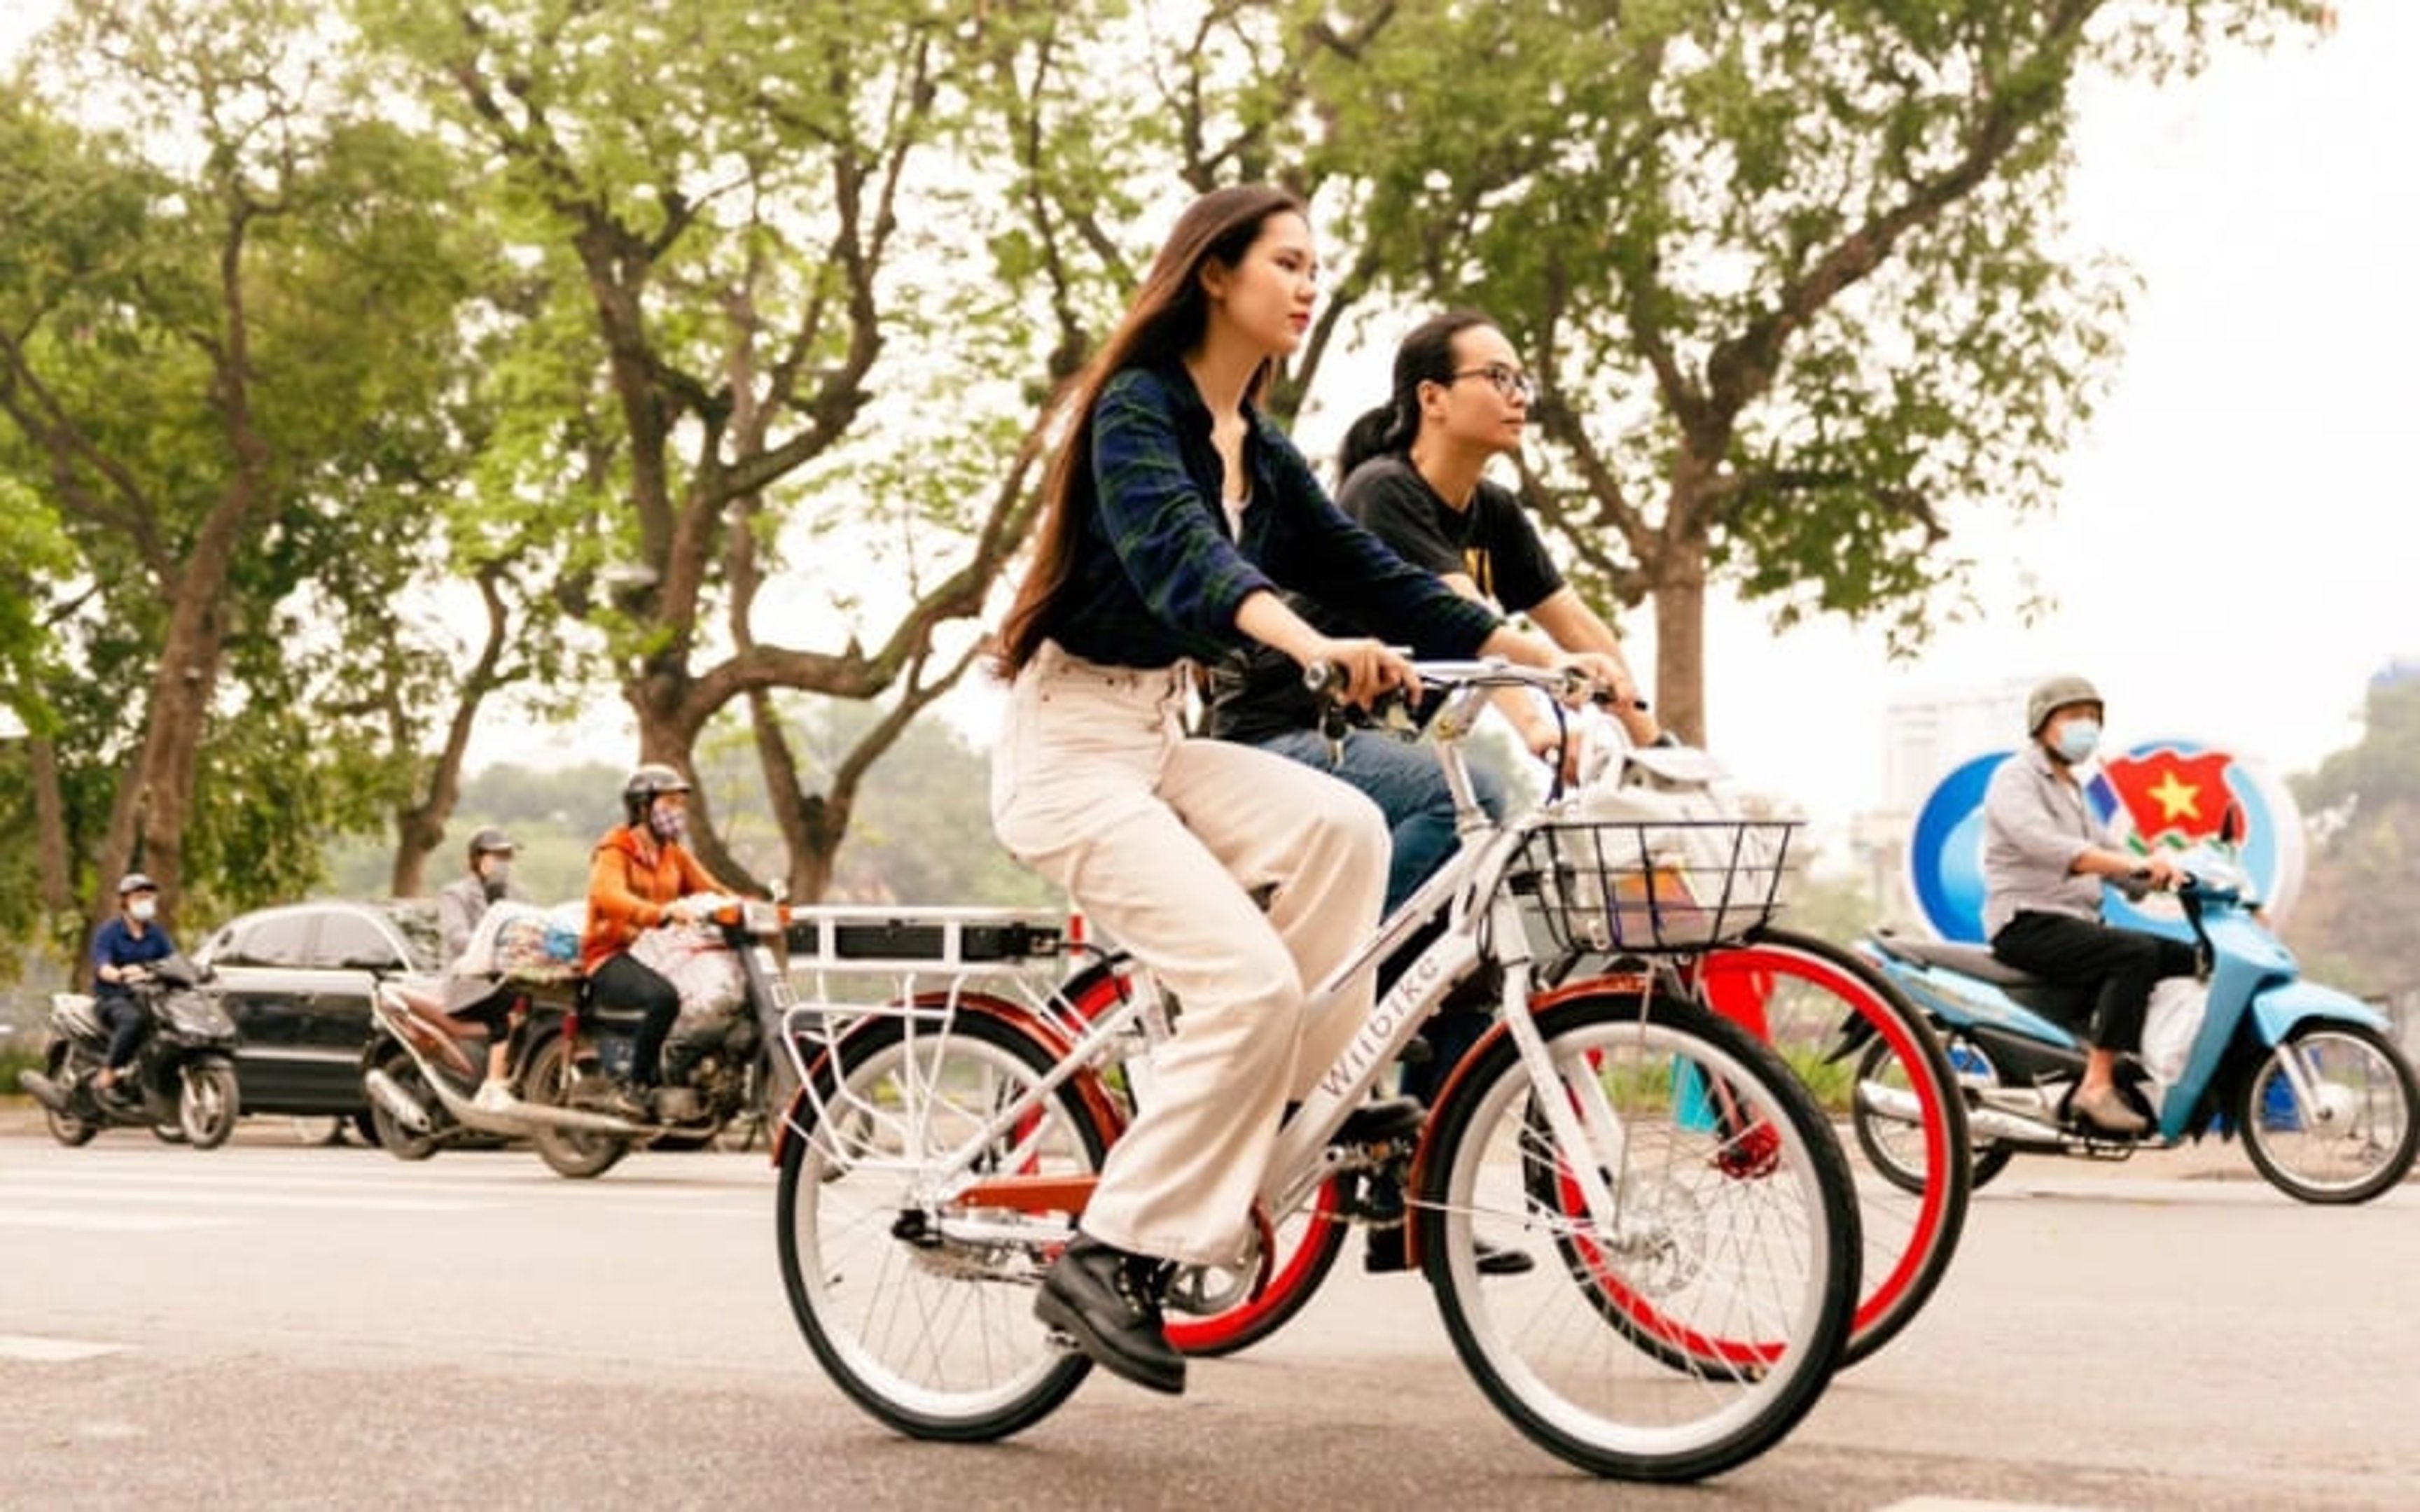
<point>221,271</point>
<point>746,223</point>
<point>1797,278</point>
<point>2354,922</point>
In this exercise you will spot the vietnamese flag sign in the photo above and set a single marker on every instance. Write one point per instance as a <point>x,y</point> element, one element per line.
<point>2166,793</point>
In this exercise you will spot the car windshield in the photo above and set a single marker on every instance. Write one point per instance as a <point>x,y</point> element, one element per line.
<point>416,921</point>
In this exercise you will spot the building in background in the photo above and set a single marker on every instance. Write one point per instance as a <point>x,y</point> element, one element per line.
<point>1925,736</point>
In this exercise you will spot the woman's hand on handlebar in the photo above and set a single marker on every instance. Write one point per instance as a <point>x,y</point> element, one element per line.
<point>1369,670</point>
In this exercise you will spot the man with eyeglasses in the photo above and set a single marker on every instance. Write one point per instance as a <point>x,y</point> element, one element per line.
<point>1413,474</point>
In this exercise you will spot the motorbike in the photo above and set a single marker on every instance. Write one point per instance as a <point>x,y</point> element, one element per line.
<point>423,1068</point>
<point>2312,1077</point>
<point>713,1064</point>
<point>181,1083</point>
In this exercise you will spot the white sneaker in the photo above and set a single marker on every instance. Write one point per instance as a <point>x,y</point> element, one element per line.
<point>492,1097</point>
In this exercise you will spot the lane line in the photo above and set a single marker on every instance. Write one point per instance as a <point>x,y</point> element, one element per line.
<point>52,1351</point>
<point>207,1197</point>
<point>89,1222</point>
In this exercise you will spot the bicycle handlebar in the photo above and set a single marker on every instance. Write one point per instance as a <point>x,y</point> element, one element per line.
<point>1323,678</point>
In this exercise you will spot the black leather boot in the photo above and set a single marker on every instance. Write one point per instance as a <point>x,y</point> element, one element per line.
<point>1107,1300</point>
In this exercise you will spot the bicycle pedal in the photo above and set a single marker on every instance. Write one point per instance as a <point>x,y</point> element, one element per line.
<point>1060,1339</point>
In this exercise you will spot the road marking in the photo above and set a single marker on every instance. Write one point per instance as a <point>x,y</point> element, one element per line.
<point>1958,1504</point>
<point>102,1223</point>
<point>47,1352</point>
<point>209,1197</point>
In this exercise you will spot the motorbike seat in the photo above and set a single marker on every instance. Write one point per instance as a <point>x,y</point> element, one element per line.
<point>1967,960</point>
<point>429,1010</point>
<point>2060,1002</point>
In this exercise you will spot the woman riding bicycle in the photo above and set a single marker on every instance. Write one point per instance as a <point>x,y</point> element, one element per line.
<point>1173,515</point>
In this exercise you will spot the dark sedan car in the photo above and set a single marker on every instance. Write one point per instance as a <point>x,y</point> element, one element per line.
<point>297,980</point>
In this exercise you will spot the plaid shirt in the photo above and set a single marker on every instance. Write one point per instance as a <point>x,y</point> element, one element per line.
<point>1156,578</point>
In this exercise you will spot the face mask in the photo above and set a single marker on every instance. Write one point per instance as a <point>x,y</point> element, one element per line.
<point>143,909</point>
<point>493,877</point>
<point>668,823</point>
<point>2077,738</point>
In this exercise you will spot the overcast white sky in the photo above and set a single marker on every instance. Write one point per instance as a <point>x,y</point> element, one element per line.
<point>2229,560</point>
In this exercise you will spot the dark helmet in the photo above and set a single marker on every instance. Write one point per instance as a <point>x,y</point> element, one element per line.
<point>136,881</point>
<point>645,784</point>
<point>2055,694</point>
<point>490,841</point>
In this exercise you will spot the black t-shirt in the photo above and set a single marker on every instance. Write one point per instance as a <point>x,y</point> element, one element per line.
<point>1259,693</point>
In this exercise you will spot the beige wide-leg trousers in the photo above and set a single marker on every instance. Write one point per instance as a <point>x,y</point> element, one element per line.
<point>1163,842</point>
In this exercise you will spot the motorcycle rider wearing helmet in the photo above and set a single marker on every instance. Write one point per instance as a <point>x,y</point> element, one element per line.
<point>460,904</point>
<point>637,879</point>
<point>2045,857</point>
<point>123,950</point>
<point>463,901</point>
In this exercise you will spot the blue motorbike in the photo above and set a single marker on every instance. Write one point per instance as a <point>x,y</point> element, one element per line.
<point>2312,1077</point>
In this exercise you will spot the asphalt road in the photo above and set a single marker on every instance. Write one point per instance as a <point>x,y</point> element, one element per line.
<point>272,1325</point>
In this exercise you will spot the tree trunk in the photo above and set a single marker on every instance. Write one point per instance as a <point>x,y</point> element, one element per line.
<point>147,821</point>
<point>1681,640</point>
<point>420,827</point>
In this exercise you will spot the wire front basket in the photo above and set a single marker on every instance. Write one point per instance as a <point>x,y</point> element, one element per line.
<point>1653,887</point>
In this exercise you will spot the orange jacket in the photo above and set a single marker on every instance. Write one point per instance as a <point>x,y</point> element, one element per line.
<point>632,882</point>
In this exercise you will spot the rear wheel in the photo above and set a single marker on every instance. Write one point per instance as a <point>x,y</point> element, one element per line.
<point>391,1134</point>
<point>1815,1003</point>
<point>1693,1321</point>
<point>2354,1137</point>
<point>209,1103</point>
<point>1976,1071</point>
<point>920,1307</point>
<point>572,1152</point>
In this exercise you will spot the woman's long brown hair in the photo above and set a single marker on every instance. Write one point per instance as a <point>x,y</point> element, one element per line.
<point>1167,318</point>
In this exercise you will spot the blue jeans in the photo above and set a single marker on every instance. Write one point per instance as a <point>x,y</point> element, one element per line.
<point>1407,785</point>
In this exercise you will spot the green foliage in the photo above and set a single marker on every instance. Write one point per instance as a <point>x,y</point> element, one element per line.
<point>2384,768</point>
<point>1798,278</point>
<point>618,321</point>
<point>2352,926</point>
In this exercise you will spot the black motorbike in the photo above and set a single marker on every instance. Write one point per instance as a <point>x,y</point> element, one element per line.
<point>181,1082</point>
<point>713,1069</point>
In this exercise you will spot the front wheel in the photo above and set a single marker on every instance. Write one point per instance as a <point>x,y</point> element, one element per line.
<point>919,1306</point>
<point>1695,1318</point>
<point>208,1105</point>
<point>66,1128</point>
<point>573,1152</point>
<point>2356,1137</point>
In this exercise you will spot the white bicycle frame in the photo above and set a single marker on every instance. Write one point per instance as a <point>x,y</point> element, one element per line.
<point>1483,920</point>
